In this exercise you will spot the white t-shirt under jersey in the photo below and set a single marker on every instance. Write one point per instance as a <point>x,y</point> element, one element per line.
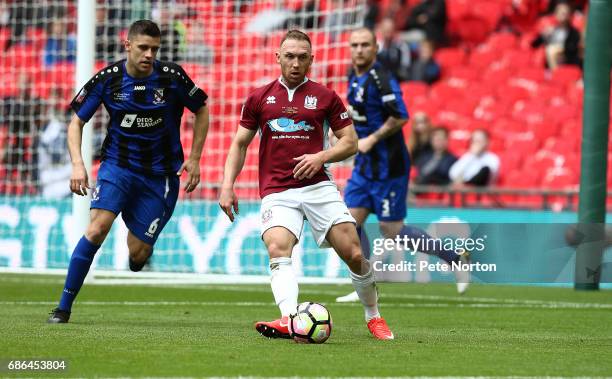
<point>470,164</point>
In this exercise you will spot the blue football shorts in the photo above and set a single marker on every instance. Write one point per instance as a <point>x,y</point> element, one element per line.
<point>386,198</point>
<point>145,202</point>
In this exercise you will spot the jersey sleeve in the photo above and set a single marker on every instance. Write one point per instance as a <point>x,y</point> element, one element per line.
<point>249,116</point>
<point>192,96</point>
<point>89,98</point>
<point>337,115</point>
<point>390,94</point>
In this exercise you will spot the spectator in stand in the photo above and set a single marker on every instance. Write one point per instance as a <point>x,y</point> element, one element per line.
<point>107,35</point>
<point>24,117</point>
<point>306,17</point>
<point>393,53</point>
<point>173,32</point>
<point>434,165</point>
<point>562,41</point>
<point>371,14</point>
<point>478,166</point>
<point>54,164</point>
<point>23,14</point>
<point>419,141</point>
<point>340,18</point>
<point>60,46</point>
<point>429,16</point>
<point>425,68</point>
<point>575,4</point>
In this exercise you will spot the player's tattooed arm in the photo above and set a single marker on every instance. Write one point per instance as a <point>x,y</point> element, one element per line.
<point>192,164</point>
<point>309,164</point>
<point>391,126</point>
<point>233,165</point>
<point>79,182</point>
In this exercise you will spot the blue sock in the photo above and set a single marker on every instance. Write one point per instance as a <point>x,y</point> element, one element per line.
<point>417,233</point>
<point>365,242</point>
<point>80,262</point>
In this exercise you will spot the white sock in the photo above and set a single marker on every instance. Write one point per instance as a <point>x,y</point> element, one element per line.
<point>365,286</point>
<point>284,285</point>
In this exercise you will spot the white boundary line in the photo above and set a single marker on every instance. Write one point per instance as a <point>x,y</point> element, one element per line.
<point>263,303</point>
<point>462,301</point>
<point>399,377</point>
<point>145,277</point>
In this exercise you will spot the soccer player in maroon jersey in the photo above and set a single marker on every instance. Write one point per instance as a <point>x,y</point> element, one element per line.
<point>293,115</point>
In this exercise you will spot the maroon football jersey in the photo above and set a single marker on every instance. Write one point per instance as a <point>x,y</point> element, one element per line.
<point>291,123</point>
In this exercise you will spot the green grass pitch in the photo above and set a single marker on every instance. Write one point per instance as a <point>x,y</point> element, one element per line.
<point>207,330</point>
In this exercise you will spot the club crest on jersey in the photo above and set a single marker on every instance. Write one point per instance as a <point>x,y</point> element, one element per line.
<point>266,216</point>
<point>310,102</point>
<point>158,96</point>
<point>287,125</point>
<point>359,95</point>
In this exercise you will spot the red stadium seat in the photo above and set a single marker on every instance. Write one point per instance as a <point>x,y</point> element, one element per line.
<point>450,57</point>
<point>5,36</point>
<point>462,106</point>
<point>483,57</point>
<point>463,73</point>
<point>521,179</point>
<point>496,75</point>
<point>458,8</point>
<point>566,74</point>
<point>414,89</point>
<point>490,11</point>
<point>502,41</point>
<point>444,92</point>
<point>512,93</point>
<point>470,29</point>
<point>511,160</point>
<point>559,178</point>
<point>37,37</point>
<point>536,75</point>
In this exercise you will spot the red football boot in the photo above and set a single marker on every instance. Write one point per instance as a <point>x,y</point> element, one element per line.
<point>379,329</point>
<point>274,329</point>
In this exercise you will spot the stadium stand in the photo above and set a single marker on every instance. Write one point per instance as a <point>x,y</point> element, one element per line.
<point>491,79</point>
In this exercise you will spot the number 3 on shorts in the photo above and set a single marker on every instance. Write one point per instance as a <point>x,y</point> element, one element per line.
<point>386,211</point>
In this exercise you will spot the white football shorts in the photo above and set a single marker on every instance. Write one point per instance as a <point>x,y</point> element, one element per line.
<point>320,204</point>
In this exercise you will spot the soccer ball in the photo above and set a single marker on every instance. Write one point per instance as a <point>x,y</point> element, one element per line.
<point>311,323</point>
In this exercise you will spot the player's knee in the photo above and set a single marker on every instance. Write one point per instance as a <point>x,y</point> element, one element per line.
<point>390,230</point>
<point>354,256</point>
<point>96,232</point>
<point>140,254</point>
<point>278,250</point>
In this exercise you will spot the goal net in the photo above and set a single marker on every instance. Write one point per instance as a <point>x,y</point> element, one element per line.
<point>227,47</point>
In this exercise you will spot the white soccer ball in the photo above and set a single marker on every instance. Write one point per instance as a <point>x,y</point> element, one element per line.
<point>312,323</point>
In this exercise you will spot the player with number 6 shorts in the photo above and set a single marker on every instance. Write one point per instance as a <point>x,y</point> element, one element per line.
<point>142,156</point>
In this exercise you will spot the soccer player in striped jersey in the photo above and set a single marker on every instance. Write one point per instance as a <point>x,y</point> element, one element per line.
<point>142,156</point>
<point>379,181</point>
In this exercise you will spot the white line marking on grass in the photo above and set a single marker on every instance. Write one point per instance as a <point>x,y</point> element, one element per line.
<point>457,299</point>
<point>463,301</point>
<point>394,377</point>
<point>263,303</point>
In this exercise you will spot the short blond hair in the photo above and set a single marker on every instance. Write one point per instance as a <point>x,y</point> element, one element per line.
<point>297,35</point>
